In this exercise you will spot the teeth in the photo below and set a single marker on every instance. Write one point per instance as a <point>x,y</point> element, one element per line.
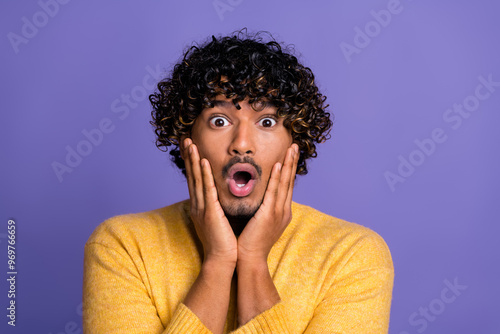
<point>240,185</point>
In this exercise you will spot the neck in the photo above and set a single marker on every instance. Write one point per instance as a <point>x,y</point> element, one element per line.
<point>238,222</point>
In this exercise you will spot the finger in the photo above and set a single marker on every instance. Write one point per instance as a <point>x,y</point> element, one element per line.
<point>209,189</point>
<point>196,176</point>
<point>288,201</point>
<point>285,180</point>
<point>272,186</point>
<point>187,164</point>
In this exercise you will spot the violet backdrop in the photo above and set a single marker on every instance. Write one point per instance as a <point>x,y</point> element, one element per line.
<point>414,87</point>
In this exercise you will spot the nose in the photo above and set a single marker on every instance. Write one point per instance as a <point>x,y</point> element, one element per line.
<point>243,140</point>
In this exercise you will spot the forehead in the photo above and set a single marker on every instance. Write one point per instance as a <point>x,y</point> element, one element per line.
<point>221,102</point>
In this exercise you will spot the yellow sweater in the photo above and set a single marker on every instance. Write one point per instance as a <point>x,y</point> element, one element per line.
<point>332,276</point>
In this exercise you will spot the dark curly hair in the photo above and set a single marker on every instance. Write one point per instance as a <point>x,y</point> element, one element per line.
<point>240,66</point>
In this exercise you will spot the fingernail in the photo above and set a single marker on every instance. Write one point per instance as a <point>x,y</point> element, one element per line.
<point>296,148</point>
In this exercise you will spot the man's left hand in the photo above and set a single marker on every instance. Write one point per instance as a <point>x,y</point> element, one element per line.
<point>274,214</point>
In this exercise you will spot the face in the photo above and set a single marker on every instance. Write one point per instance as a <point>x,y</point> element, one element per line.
<point>242,147</point>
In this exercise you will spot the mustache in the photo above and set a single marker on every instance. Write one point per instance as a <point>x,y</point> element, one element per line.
<point>246,159</point>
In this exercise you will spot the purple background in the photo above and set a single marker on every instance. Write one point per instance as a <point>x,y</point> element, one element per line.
<point>441,223</point>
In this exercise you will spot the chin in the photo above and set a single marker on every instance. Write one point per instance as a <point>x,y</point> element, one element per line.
<point>239,211</point>
<point>239,216</point>
<point>241,207</point>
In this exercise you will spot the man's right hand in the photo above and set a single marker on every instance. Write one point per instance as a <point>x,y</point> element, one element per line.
<point>215,233</point>
<point>208,297</point>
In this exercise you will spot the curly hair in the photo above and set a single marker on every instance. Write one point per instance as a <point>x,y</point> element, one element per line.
<point>240,66</point>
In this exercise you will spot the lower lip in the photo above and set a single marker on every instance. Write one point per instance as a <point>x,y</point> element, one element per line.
<point>241,191</point>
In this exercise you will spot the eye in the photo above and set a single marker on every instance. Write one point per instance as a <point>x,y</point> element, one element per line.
<point>219,121</point>
<point>267,122</point>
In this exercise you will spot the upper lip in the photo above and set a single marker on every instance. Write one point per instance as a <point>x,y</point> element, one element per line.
<point>242,167</point>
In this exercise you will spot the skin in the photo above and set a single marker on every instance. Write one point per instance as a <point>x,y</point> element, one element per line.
<point>261,136</point>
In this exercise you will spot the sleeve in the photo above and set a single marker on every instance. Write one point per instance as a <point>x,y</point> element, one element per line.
<point>273,320</point>
<point>359,298</point>
<point>116,300</point>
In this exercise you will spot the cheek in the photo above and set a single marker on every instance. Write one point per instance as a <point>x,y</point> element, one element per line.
<point>209,152</point>
<point>275,155</point>
<point>276,152</point>
<point>202,151</point>
<point>281,151</point>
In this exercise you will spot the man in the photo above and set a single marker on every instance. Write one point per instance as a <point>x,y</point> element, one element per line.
<point>243,116</point>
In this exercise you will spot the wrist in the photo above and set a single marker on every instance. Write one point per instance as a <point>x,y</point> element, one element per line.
<point>218,267</point>
<point>221,258</point>
<point>252,259</point>
<point>256,290</point>
<point>252,266</point>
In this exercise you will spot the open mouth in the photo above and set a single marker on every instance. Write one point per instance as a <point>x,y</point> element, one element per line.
<point>241,179</point>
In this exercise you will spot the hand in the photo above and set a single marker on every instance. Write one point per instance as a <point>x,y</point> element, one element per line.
<point>212,226</point>
<point>274,214</point>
